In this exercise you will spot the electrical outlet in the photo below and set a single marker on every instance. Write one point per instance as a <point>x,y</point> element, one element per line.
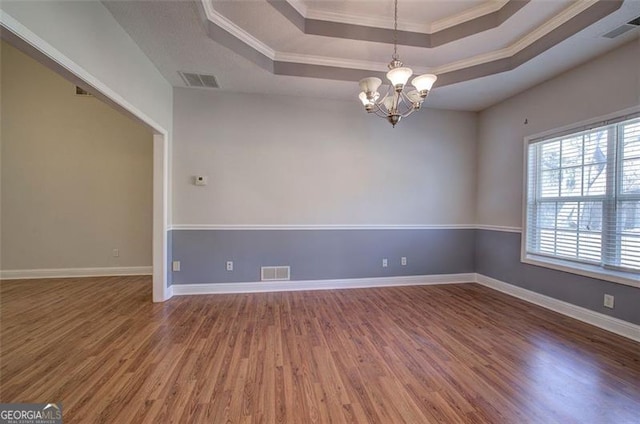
<point>176,265</point>
<point>608,301</point>
<point>403,261</point>
<point>385,262</point>
<point>116,253</point>
<point>229,265</point>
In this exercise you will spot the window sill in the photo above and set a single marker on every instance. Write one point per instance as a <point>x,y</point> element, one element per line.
<point>619,277</point>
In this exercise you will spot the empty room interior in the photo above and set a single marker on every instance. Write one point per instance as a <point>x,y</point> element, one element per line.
<point>270,211</point>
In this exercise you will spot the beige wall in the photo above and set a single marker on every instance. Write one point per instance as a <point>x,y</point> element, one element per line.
<point>280,160</point>
<point>76,175</point>
<point>605,85</point>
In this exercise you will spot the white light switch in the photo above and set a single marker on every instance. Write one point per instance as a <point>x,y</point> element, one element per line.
<point>176,265</point>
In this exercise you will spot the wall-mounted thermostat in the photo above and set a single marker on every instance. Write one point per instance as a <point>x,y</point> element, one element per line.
<point>200,180</point>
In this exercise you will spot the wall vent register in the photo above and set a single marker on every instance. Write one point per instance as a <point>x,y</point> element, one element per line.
<point>275,273</point>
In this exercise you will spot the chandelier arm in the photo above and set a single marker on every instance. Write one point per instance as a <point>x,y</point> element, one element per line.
<point>405,100</point>
<point>380,113</point>
<point>377,110</point>
<point>408,112</point>
<point>409,104</point>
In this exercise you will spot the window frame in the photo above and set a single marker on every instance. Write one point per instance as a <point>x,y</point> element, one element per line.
<point>614,275</point>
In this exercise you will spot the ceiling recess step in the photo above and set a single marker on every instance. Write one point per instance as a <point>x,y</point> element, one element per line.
<point>199,80</point>
<point>633,24</point>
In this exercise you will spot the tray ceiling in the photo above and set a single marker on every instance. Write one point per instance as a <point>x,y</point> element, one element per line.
<point>322,48</point>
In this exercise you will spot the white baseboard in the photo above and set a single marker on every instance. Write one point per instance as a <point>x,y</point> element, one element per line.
<point>614,325</point>
<point>351,283</point>
<point>21,274</point>
<point>606,322</point>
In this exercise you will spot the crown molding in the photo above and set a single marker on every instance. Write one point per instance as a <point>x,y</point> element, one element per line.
<point>296,64</point>
<point>472,13</point>
<point>299,6</point>
<point>365,28</point>
<point>538,33</point>
<point>221,21</point>
<point>564,16</point>
<point>341,63</point>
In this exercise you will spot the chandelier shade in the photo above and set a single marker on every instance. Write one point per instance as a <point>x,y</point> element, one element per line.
<point>370,85</point>
<point>399,77</point>
<point>396,103</point>
<point>424,82</point>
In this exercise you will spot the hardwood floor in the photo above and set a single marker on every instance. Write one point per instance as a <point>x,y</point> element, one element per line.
<point>453,354</point>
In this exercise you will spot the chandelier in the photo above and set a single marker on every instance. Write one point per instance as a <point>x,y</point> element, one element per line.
<point>396,104</point>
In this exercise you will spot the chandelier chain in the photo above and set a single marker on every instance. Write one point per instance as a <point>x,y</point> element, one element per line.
<point>395,30</point>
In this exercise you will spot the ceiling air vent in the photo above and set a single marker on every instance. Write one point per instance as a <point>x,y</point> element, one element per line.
<point>82,92</point>
<point>633,24</point>
<point>199,80</point>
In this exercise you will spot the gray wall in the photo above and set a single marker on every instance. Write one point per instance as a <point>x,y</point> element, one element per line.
<point>602,86</point>
<point>320,254</point>
<point>498,256</point>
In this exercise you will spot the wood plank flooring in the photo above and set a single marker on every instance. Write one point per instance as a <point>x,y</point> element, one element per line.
<point>441,354</point>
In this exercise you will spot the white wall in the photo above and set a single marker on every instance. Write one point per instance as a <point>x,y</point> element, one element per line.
<point>285,160</point>
<point>605,85</point>
<point>86,33</point>
<point>76,175</point>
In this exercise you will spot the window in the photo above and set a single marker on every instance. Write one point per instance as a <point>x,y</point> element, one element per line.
<point>583,197</point>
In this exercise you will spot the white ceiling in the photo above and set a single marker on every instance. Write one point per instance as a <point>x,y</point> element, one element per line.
<point>173,36</point>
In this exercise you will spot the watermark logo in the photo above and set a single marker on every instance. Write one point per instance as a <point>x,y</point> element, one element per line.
<point>30,413</point>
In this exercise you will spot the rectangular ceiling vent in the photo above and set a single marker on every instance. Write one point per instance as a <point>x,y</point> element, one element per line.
<point>275,273</point>
<point>199,80</point>
<point>631,25</point>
